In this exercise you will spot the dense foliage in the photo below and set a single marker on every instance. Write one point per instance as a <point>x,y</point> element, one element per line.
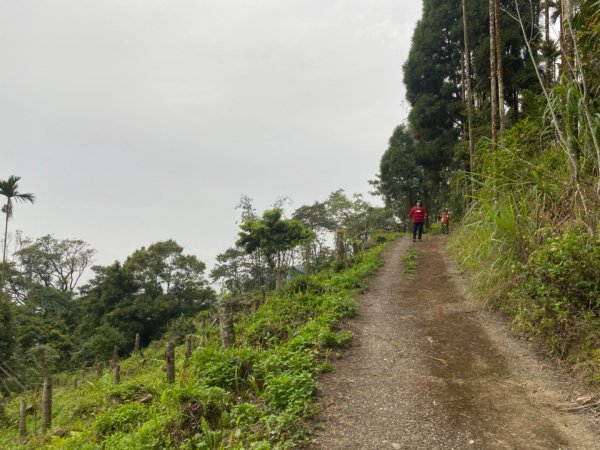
<point>273,248</point>
<point>55,325</point>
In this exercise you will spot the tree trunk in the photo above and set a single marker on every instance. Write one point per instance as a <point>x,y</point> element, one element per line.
<point>227,324</point>
<point>117,373</point>
<point>340,248</point>
<point>566,38</point>
<point>549,64</point>
<point>307,261</point>
<point>280,278</point>
<point>493,72</point>
<point>47,404</point>
<point>188,347</point>
<point>499,66</point>
<point>469,89</point>
<point>22,419</point>
<point>115,358</point>
<point>5,232</point>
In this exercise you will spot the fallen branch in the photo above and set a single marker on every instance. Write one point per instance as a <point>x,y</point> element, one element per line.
<point>579,405</point>
<point>437,359</point>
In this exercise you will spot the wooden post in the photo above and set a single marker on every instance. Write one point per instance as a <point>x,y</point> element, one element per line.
<point>47,404</point>
<point>1,408</point>
<point>136,345</point>
<point>188,347</point>
<point>22,419</point>
<point>117,373</point>
<point>170,362</point>
<point>75,384</point>
<point>227,326</point>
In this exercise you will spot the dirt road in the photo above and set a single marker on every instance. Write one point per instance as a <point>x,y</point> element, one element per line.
<point>431,370</point>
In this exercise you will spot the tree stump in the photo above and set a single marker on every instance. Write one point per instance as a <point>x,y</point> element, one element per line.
<point>47,404</point>
<point>136,344</point>
<point>170,362</point>
<point>22,419</point>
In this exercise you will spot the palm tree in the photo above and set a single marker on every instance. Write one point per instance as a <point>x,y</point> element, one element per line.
<point>10,189</point>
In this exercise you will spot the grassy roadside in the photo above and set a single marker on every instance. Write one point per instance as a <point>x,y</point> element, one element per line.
<point>252,396</point>
<point>410,262</point>
<point>547,283</point>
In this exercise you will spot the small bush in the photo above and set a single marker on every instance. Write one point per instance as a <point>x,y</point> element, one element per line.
<point>558,294</point>
<point>290,391</point>
<point>123,418</point>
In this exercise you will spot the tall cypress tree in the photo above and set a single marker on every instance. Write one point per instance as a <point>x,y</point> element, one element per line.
<point>432,74</point>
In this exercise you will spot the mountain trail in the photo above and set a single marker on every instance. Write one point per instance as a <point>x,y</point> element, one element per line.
<point>430,369</point>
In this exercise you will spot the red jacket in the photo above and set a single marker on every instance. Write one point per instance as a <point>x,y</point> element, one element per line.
<point>418,214</point>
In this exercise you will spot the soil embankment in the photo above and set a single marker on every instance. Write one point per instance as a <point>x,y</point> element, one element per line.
<point>431,370</point>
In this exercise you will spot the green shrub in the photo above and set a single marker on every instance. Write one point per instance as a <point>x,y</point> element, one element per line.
<point>151,435</point>
<point>224,368</point>
<point>290,391</point>
<point>558,294</point>
<point>124,418</point>
<point>410,261</point>
<point>246,414</point>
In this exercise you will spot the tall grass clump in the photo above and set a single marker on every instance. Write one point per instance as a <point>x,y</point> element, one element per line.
<point>410,261</point>
<point>528,243</point>
<point>513,198</point>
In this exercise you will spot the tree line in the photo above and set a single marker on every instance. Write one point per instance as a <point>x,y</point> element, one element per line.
<point>477,69</point>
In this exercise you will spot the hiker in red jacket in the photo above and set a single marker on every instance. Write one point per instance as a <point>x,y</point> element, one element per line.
<point>418,214</point>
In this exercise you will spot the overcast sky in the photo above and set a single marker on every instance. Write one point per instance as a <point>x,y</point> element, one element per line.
<point>135,121</point>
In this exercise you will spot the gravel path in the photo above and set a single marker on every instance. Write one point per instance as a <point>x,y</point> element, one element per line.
<point>431,370</point>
